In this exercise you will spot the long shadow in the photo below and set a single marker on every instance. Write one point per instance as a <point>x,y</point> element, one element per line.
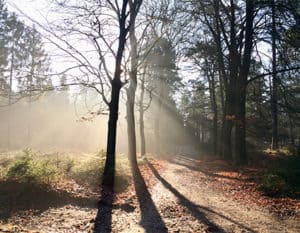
<point>193,208</point>
<point>103,221</point>
<point>188,163</point>
<point>104,215</point>
<point>150,217</point>
<point>19,196</point>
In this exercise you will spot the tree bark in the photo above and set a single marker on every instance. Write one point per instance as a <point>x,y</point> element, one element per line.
<point>131,122</point>
<point>240,129</point>
<point>132,88</point>
<point>226,128</point>
<point>142,124</point>
<point>10,97</point>
<point>226,133</point>
<point>131,118</point>
<point>116,84</point>
<point>157,126</point>
<point>274,94</point>
<point>220,147</point>
<point>109,169</point>
<point>241,88</point>
<point>230,95</point>
<point>213,101</point>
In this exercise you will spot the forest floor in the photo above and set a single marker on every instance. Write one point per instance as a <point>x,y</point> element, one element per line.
<point>183,194</point>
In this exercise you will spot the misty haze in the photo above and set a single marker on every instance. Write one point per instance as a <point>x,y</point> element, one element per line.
<point>149,116</point>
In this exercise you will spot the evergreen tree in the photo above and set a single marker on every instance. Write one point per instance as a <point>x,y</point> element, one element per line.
<point>162,71</point>
<point>36,66</point>
<point>23,61</point>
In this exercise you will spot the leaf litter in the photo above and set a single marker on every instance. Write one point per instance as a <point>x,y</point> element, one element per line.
<point>189,200</point>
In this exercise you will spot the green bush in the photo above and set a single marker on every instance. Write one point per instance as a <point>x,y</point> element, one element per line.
<point>282,179</point>
<point>273,185</point>
<point>86,170</point>
<point>27,169</point>
<point>21,168</point>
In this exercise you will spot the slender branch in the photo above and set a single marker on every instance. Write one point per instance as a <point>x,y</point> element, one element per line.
<point>271,73</point>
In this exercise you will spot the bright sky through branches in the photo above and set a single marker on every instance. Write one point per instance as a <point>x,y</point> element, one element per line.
<point>67,50</point>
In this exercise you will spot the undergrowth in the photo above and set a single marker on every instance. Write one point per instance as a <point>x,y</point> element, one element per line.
<point>32,167</point>
<point>282,178</point>
<point>283,151</point>
<point>28,169</point>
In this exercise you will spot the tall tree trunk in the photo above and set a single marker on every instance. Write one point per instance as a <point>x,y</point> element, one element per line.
<point>116,84</point>
<point>220,147</point>
<point>213,101</point>
<point>226,138</point>
<point>241,88</point>
<point>292,135</point>
<point>131,91</point>
<point>224,149</point>
<point>240,129</point>
<point>130,114</point>
<point>230,101</point>
<point>156,131</point>
<point>104,216</point>
<point>142,124</point>
<point>157,120</point>
<point>109,169</point>
<point>131,122</point>
<point>226,132</point>
<point>274,94</point>
<point>10,98</point>
<point>215,129</point>
<point>30,84</point>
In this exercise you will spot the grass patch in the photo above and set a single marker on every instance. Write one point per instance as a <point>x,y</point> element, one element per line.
<point>89,173</point>
<point>28,169</point>
<point>86,170</point>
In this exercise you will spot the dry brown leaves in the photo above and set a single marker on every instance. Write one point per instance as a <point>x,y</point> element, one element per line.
<point>242,186</point>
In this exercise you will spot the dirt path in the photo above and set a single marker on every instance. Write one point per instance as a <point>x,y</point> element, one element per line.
<point>178,199</point>
<point>206,209</point>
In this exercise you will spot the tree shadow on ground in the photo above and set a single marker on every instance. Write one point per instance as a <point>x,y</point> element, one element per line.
<point>210,169</point>
<point>103,222</point>
<point>150,217</point>
<point>18,196</point>
<point>196,210</point>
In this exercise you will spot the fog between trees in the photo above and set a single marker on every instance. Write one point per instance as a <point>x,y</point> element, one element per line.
<point>239,97</point>
<point>61,121</point>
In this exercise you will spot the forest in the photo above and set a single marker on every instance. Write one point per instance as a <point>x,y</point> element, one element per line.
<point>150,116</point>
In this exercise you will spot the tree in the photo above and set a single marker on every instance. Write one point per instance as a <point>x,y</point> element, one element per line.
<point>37,65</point>
<point>131,90</point>
<point>3,49</point>
<point>163,73</point>
<point>231,28</point>
<point>24,64</point>
<point>274,94</point>
<point>104,26</point>
<point>204,58</point>
<point>238,30</point>
<point>35,78</point>
<point>116,84</point>
<point>277,26</point>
